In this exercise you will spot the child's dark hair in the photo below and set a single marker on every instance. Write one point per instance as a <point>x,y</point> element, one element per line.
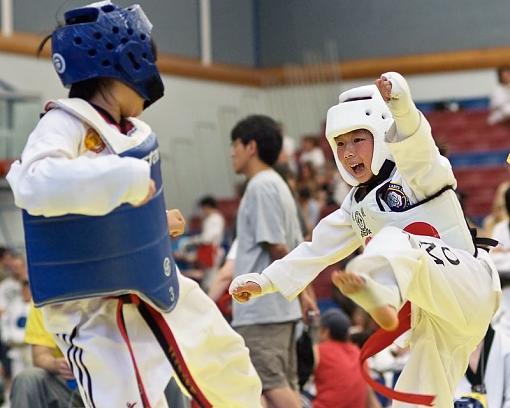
<point>208,201</point>
<point>337,323</point>
<point>265,132</point>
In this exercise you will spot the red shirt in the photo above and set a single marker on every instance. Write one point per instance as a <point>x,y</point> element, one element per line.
<point>338,377</point>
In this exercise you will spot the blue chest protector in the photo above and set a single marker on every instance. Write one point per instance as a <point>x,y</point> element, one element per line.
<point>75,257</point>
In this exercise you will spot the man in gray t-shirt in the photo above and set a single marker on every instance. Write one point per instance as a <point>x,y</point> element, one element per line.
<point>267,229</point>
<point>267,216</point>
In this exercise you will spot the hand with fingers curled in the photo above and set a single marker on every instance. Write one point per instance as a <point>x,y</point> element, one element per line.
<point>384,86</point>
<point>395,91</point>
<point>176,222</point>
<point>250,285</point>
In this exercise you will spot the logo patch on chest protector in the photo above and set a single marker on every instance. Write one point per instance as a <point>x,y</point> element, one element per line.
<point>395,197</point>
<point>93,141</point>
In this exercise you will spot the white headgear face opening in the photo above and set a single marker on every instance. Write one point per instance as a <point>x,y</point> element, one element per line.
<point>360,108</point>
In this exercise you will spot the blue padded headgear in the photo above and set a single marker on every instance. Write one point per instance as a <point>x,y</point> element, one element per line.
<point>104,40</point>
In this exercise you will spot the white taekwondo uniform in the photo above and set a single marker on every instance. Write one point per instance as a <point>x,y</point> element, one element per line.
<point>59,175</point>
<point>453,288</point>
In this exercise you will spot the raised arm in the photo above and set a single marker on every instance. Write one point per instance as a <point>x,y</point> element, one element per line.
<point>415,153</point>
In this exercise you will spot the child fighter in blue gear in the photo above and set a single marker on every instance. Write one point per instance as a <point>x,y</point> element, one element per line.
<point>98,246</point>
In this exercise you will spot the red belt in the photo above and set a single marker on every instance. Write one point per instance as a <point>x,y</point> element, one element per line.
<point>379,341</point>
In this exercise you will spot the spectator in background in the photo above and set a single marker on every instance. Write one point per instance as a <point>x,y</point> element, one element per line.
<point>335,183</point>
<point>337,372</point>
<point>488,372</point>
<point>213,222</point>
<point>12,331</point>
<point>326,201</point>
<point>50,383</point>
<point>200,254</point>
<point>11,287</point>
<point>501,257</point>
<point>11,293</point>
<point>311,152</point>
<point>307,177</point>
<point>6,258</point>
<point>287,156</point>
<point>209,250</point>
<point>500,98</point>
<point>310,209</point>
<point>267,228</point>
<point>498,212</point>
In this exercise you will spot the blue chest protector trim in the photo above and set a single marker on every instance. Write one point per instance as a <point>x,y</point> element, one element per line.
<point>76,257</point>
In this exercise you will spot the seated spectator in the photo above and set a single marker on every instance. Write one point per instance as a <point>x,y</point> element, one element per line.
<point>50,383</point>
<point>6,258</point>
<point>335,183</point>
<point>287,157</point>
<point>11,287</point>
<point>12,330</point>
<point>501,257</point>
<point>337,371</point>
<point>310,209</point>
<point>307,177</point>
<point>500,98</point>
<point>488,373</point>
<point>326,200</point>
<point>311,152</point>
<point>498,211</point>
<point>11,293</point>
<point>213,222</point>
<point>200,255</point>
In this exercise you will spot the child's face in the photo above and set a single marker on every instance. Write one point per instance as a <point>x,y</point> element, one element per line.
<point>505,77</point>
<point>130,103</point>
<point>355,150</point>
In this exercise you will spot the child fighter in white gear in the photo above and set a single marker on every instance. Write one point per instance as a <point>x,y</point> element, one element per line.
<point>402,192</point>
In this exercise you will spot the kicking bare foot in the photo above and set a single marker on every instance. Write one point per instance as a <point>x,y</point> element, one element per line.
<point>349,283</point>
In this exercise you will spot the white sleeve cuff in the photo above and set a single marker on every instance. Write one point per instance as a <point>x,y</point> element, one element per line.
<point>260,279</point>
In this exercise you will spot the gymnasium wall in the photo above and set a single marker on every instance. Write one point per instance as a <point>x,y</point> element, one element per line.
<point>372,28</point>
<point>194,119</point>
<point>259,32</point>
<point>176,25</point>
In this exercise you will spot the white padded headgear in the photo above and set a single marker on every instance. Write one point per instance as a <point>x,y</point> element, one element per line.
<point>360,108</point>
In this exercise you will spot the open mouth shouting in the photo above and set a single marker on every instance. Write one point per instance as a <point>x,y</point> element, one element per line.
<point>357,169</point>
